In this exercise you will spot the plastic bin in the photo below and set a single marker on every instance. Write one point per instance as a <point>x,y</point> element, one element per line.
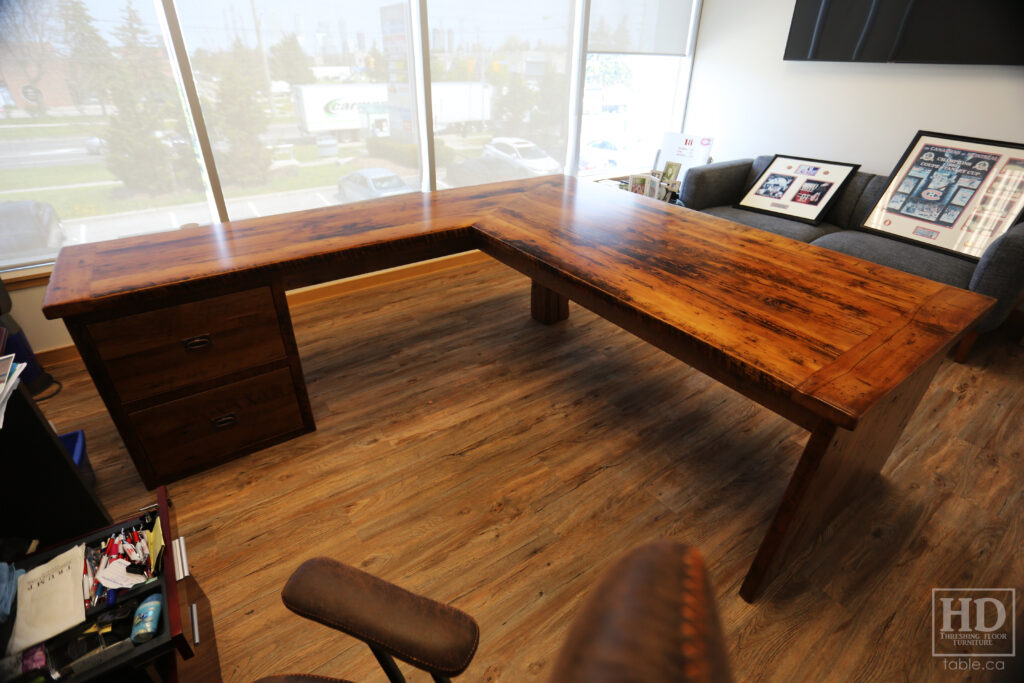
<point>74,444</point>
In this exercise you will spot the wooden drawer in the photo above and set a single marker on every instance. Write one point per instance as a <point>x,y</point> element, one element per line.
<point>199,431</point>
<point>169,348</point>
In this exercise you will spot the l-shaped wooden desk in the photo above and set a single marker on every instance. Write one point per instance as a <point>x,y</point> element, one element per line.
<point>188,338</point>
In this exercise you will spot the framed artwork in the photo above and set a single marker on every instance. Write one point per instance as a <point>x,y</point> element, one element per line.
<point>671,171</point>
<point>646,185</point>
<point>952,193</point>
<point>798,188</point>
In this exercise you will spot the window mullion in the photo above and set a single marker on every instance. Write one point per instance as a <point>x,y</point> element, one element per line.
<point>581,22</point>
<point>691,49</point>
<point>421,78</point>
<point>183,71</point>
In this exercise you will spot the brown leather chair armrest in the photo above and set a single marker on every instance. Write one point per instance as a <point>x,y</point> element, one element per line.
<point>424,633</point>
<point>651,618</point>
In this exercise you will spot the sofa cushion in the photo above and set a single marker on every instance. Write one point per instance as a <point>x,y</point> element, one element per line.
<point>722,182</point>
<point>909,258</point>
<point>844,211</point>
<point>786,227</point>
<point>868,198</point>
<point>756,169</point>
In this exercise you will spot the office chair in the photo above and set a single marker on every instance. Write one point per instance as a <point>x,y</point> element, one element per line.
<point>651,618</point>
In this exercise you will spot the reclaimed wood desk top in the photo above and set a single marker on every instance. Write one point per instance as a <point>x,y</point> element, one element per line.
<point>811,333</point>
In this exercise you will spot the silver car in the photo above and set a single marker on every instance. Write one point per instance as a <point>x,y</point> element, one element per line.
<point>371,183</point>
<point>523,154</point>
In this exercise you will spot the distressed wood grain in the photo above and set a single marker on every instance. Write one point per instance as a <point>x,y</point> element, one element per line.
<point>576,442</point>
<point>841,347</point>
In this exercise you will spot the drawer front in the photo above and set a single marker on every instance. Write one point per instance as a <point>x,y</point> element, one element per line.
<point>199,431</point>
<point>166,349</point>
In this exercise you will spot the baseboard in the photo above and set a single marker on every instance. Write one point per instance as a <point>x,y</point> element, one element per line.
<point>64,354</point>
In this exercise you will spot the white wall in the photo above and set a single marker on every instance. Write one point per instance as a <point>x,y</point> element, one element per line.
<point>752,102</point>
<point>27,309</point>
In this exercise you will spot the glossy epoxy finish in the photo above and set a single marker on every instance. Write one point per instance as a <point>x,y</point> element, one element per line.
<point>826,332</point>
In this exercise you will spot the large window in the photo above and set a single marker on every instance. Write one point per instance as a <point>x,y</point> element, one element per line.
<point>123,117</point>
<point>307,103</point>
<point>500,76</point>
<point>637,68</point>
<point>94,140</point>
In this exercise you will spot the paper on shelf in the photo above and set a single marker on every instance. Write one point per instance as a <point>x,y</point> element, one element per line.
<point>6,363</point>
<point>115,575</point>
<point>12,375</point>
<point>49,601</point>
<point>8,382</point>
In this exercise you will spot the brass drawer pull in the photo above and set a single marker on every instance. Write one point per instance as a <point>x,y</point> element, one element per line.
<point>198,342</point>
<point>225,421</point>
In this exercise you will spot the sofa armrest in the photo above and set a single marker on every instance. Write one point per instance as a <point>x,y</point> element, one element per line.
<point>714,184</point>
<point>1000,274</point>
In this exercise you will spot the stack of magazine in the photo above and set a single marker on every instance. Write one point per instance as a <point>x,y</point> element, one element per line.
<point>9,372</point>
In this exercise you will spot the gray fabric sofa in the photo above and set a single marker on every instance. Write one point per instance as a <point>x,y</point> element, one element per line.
<point>715,188</point>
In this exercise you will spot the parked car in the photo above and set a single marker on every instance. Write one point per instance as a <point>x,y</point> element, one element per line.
<point>599,155</point>
<point>95,146</point>
<point>484,170</point>
<point>173,140</point>
<point>370,183</point>
<point>524,154</point>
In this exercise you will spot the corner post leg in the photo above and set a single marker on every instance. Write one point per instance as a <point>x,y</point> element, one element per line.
<point>547,306</point>
<point>964,347</point>
<point>835,464</point>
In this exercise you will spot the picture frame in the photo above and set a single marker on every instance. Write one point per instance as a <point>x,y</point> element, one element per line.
<point>671,171</point>
<point>798,188</point>
<point>952,193</point>
<point>644,184</point>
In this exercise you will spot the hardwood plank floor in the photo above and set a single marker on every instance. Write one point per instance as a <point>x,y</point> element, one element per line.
<point>467,452</point>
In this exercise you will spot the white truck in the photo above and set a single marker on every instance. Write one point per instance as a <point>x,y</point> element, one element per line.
<point>348,110</point>
<point>461,106</point>
<point>352,110</point>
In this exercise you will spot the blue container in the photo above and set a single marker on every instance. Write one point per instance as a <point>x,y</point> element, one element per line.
<point>147,619</point>
<point>74,444</point>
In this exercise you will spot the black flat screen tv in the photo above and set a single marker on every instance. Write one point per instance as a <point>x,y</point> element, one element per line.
<point>918,31</point>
